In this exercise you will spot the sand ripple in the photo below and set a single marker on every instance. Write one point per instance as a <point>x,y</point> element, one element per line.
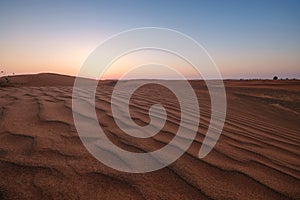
<point>257,156</point>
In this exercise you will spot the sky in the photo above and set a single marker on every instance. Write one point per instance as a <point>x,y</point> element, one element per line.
<point>246,39</point>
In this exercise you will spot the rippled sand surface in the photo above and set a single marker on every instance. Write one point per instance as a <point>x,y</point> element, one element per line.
<point>256,157</point>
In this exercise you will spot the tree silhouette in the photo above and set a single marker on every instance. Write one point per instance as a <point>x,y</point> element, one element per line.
<point>275,78</point>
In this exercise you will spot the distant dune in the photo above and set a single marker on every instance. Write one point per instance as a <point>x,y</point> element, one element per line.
<point>256,157</point>
<point>44,79</point>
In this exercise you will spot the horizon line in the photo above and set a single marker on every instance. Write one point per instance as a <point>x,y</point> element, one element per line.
<point>165,79</point>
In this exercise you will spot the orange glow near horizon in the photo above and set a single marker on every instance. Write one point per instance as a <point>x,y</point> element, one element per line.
<point>68,62</point>
<point>68,58</point>
<point>139,58</point>
<point>61,60</point>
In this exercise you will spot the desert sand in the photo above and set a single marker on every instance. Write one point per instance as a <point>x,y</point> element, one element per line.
<point>256,157</point>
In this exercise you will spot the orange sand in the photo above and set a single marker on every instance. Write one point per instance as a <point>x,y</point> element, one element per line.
<point>256,157</point>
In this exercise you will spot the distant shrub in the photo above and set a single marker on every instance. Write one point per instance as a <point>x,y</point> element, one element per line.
<point>275,78</point>
<point>4,79</point>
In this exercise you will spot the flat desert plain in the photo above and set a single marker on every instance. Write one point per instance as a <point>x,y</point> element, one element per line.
<point>256,157</point>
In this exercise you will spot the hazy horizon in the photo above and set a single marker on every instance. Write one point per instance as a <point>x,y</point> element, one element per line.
<point>159,79</point>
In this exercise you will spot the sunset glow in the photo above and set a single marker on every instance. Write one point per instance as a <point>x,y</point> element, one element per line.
<point>245,39</point>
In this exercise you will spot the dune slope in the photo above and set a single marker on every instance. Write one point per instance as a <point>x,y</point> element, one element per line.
<point>256,157</point>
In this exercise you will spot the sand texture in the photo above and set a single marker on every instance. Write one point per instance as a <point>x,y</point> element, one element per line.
<point>256,157</point>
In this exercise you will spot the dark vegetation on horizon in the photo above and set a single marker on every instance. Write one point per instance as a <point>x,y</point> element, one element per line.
<point>5,79</point>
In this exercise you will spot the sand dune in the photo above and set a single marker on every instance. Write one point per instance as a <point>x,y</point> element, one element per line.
<point>256,157</point>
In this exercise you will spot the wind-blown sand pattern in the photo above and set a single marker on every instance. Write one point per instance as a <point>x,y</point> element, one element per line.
<point>256,157</point>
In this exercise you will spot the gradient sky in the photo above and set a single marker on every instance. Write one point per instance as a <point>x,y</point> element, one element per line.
<point>246,39</point>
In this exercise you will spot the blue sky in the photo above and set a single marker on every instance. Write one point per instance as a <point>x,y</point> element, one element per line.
<point>246,39</point>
